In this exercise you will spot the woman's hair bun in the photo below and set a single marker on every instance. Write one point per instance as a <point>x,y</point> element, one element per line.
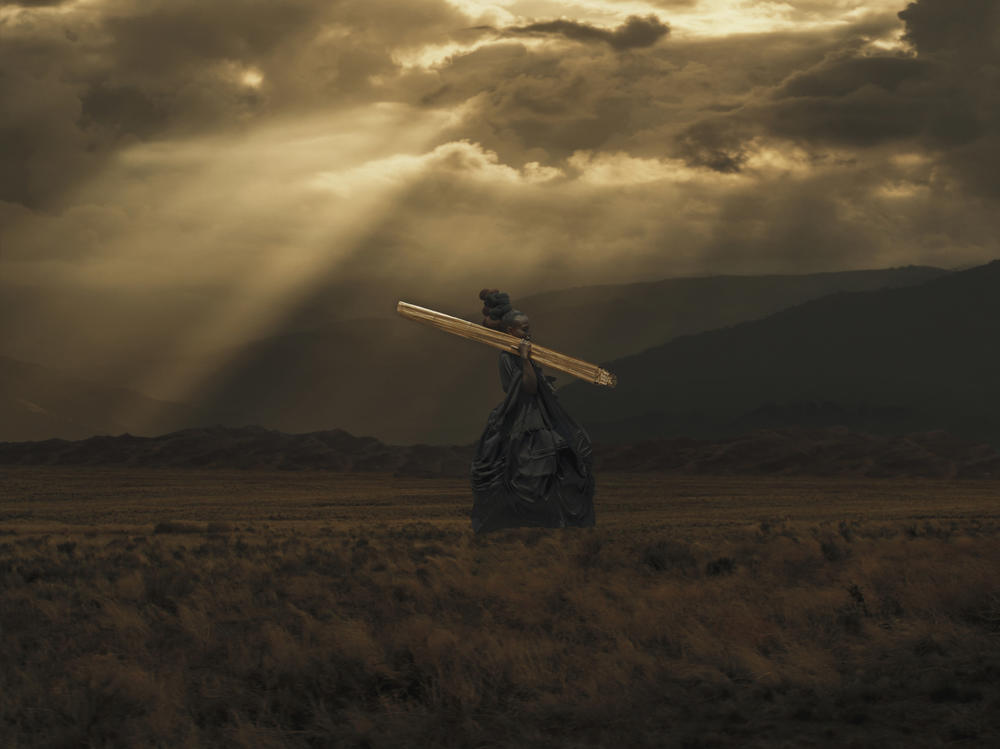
<point>497,307</point>
<point>497,303</point>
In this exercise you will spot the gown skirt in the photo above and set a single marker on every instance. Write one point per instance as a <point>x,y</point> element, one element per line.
<point>533,463</point>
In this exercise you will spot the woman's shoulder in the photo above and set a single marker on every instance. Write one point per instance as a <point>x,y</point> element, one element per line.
<point>507,361</point>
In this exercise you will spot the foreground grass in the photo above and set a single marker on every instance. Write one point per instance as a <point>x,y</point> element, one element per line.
<point>178,609</point>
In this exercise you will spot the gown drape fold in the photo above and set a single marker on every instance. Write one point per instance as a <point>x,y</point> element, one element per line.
<point>533,463</point>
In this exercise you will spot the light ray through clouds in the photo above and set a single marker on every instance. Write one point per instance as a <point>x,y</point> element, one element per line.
<point>276,182</point>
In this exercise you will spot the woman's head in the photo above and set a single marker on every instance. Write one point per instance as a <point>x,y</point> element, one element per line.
<point>519,325</point>
<point>501,315</point>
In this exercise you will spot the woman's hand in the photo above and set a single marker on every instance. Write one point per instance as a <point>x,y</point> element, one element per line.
<point>524,348</point>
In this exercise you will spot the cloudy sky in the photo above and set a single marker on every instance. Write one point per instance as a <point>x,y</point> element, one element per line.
<point>203,169</point>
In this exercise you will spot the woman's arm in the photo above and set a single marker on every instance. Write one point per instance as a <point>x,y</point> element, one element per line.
<point>529,382</point>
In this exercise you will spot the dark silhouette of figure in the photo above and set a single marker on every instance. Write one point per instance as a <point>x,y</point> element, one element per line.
<point>532,465</point>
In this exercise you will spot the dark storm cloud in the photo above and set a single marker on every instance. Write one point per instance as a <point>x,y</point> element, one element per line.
<point>542,104</point>
<point>710,144</point>
<point>41,147</point>
<point>961,28</point>
<point>961,40</point>
<point>533,105</point>
<point>78,85</point>
<point>854,102</point>
<point>171,39</point>
<point>875,99</point>
<point>634,33</point>
<point>848,75</point>
<point>945,98</point>
<point>121,110</point>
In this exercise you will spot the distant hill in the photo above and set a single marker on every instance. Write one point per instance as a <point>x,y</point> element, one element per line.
<point>604,322</point>
<point>817,452</point>
<point>250,447</point>
<point>907,359</point>
<point>404,382</point>
<point>831,451</point>
<point>38,403</point>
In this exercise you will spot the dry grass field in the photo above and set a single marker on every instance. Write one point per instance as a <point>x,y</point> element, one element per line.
<point>241,609</point>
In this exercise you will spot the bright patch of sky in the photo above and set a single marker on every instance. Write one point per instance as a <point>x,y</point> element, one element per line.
<point>704,18</point>
<point>700,19</point>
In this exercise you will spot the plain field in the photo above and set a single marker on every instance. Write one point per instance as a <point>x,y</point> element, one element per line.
<point>226,608</point>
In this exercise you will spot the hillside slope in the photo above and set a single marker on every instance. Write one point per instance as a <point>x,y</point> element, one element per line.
<point>897,360</point>
<point>40,403</point>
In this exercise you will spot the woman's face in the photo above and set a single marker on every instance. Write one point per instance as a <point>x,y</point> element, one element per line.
<point>521,327</point>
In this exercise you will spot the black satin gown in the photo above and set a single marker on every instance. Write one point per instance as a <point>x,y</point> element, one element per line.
<point>533,462</point>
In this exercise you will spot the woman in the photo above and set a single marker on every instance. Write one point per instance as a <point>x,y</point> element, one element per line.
<point>532,465</point>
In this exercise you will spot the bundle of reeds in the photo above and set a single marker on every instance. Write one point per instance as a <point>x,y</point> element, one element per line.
<point>506,342</point>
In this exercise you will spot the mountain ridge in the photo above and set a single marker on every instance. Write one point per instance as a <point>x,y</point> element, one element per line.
<point>911,358</point>
<point>793,452</point>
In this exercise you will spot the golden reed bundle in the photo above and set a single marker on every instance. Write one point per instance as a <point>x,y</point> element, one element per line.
<point>506,342</point>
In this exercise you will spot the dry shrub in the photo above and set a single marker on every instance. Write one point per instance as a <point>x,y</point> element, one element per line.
<point>130,586</point>
<point>668,555</point>
<point>122,700</point>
